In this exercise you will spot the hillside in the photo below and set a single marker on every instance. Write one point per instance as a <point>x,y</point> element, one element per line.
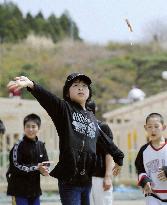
<point>114,68</point>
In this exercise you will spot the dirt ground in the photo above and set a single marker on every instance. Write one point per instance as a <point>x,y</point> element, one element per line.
<point>132,202</point>
<point>122,202</point>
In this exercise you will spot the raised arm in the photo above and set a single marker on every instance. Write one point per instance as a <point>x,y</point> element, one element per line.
<point>50,102</point>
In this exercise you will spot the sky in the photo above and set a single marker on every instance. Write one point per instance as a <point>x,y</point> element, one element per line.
<point>101,21</point>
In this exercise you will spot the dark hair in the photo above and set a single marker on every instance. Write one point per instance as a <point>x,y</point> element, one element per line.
<point>2,127</point>
<point>68,85</point>
<point>154,114</point>
<point>91,106</point>
<point>32,117</point>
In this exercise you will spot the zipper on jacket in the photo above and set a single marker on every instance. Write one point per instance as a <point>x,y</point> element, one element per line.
<point>83,145</point>
<point>82,172</point>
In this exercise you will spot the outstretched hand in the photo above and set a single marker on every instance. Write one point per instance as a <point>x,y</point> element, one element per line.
<point>19,83</point>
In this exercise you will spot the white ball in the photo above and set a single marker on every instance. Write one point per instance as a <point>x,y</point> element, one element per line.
<point>164,75</point>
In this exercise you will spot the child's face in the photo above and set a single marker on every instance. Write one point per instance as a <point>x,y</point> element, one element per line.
<point>154,128</point>
<point>31,129</point>
<point>79,92</point>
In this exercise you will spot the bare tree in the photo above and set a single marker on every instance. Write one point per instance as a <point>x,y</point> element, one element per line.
<point>155,31</point>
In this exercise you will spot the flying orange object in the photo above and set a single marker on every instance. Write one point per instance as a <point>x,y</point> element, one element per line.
<point>129,25</point>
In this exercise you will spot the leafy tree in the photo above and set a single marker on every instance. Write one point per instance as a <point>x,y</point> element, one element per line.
<point>15,27</point>
<point>68,26</point>
<point>12,27</point>
<point>55,28</point>
<point>29,21</point>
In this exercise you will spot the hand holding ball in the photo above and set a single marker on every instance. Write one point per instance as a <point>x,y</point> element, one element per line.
<point>19,83</point>
<point>12,86</point>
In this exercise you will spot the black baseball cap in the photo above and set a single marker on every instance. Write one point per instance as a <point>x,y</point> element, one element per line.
<point>81,76</point>
<point>69,81</point>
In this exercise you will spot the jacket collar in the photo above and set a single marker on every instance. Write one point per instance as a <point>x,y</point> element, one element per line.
<point>77,105</point>
<point>30,140</point>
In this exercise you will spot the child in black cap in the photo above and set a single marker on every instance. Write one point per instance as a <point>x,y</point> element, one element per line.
<point>78,133</point>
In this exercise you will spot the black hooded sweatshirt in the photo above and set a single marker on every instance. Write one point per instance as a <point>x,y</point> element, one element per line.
<point>78,132</point>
